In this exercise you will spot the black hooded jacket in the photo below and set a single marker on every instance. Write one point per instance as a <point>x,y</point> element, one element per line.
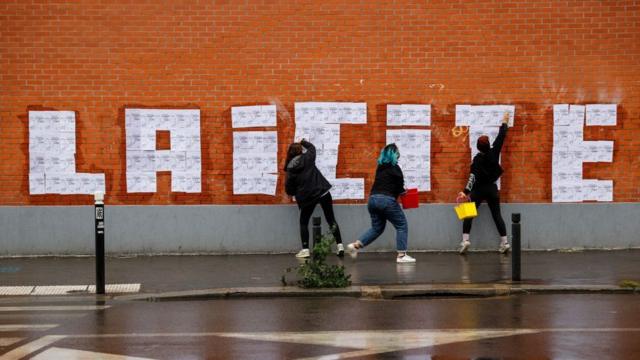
<point>304,180</point>
<point>485,167</point>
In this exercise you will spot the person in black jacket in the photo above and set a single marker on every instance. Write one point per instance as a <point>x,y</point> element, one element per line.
<point>485,171</point>
<point>310,187</point>
<point>383,205</point>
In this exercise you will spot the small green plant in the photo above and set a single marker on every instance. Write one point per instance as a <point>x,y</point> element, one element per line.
<point>316,273</point>
<point>630,284</point>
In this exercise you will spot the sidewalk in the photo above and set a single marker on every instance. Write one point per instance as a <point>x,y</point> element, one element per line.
<point>371,273</point>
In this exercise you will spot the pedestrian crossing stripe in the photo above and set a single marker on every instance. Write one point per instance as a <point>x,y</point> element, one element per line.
<point>54,308</point>
<point>63,353</point>
<point>26,327</point>
<point>8,341</point>
<point>15,290</point>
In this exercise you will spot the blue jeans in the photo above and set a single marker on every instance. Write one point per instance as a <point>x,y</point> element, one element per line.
<point>383,208</point>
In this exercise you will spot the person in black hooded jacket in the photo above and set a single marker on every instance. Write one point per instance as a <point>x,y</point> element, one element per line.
<point>481,186</point>
<point>310,187</point>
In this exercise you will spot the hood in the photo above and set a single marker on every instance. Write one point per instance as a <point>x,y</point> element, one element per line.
<point>296,164</point>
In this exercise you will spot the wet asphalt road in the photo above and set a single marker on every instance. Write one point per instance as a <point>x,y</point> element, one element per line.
<point>561,326</point>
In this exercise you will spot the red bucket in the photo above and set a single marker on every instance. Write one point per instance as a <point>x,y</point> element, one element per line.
<point>410,199</point>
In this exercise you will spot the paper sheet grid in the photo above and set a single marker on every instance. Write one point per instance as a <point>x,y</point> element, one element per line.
<point>183,159</point>
<point>570,151</point>
<point>319,123</point>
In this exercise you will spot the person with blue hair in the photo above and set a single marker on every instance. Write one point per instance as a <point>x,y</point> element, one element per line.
<point>383,205</point>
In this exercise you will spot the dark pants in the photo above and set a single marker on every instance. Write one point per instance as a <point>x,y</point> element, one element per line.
<point>491,195</point>
<point>326,202</point>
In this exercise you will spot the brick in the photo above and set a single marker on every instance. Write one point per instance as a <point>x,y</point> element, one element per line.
<point>98,58</point>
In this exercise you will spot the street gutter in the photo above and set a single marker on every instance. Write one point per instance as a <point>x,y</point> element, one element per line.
<point>379,292</point>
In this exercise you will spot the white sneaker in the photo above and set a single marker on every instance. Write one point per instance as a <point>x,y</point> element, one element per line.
<point>340,250</point>
<point>304,253</point>
<point>352,249</point>
<point>405,259</point>
<point>504,248</point>
<point>464,245</point>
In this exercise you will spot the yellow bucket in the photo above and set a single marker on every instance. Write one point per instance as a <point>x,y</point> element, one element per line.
<point>466,210</point>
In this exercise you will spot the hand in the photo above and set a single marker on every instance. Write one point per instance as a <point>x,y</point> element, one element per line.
<point>505,118</point>
<point>462,196</point>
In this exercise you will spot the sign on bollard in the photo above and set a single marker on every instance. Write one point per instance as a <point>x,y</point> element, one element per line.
<point>99,214</point>
<point>515,247</point>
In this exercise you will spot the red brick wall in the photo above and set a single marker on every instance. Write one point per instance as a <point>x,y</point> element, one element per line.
<point>98,57</point>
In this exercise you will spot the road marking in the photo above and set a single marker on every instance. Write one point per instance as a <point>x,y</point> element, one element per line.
<point>58,289</point>
<point>27,327</point>
<point>117,288</point>
<point>8,341</point>
<point>66,289</point>
<point>39,315</point>
<point>15,290</point>
<point>56,353</point>
<point>371,342</point>
<point>368,342</point>
<point>54,308</point>
<point>29,348</point>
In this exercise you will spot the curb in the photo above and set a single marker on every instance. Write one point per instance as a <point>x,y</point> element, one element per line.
<point>380,292</point>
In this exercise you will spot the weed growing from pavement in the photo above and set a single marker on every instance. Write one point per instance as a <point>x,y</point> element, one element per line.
<point>316,273</point>
<point>630,284</point>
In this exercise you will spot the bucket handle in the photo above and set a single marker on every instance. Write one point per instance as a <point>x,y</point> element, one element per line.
<point>466,198</point>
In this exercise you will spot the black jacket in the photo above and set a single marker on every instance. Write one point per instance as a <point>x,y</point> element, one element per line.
<point>389,180</point>
<point>485,167</point>
<point>304,180</point>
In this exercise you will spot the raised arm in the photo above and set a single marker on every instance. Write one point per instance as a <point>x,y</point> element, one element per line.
<point>311,150</point>
<point>499,141</point>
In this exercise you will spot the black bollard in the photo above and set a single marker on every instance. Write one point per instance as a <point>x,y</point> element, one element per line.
<point>99,213</point>
<point>515,247</point>
<point>317,231</point>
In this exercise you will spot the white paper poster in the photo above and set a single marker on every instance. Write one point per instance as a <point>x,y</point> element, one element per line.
<point>415,156</point>
<point>602,114</point>
<point>255,162</point>
<point>346,188</point>
<point>330,113</point>
<point>52,154</point>
<point>254,184</point>
<point>143,159</point>
<point>408,114</point>
<point>253,116</point>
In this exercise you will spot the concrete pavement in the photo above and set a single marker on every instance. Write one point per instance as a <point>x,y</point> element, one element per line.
<point>373,275</point>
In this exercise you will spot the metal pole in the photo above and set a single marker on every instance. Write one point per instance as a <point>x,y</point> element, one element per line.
<point>99,213</point>
<point>515,247</point>
<point>317,231</point>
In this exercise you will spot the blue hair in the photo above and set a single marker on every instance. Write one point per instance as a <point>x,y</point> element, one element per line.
<point>389,155</point>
